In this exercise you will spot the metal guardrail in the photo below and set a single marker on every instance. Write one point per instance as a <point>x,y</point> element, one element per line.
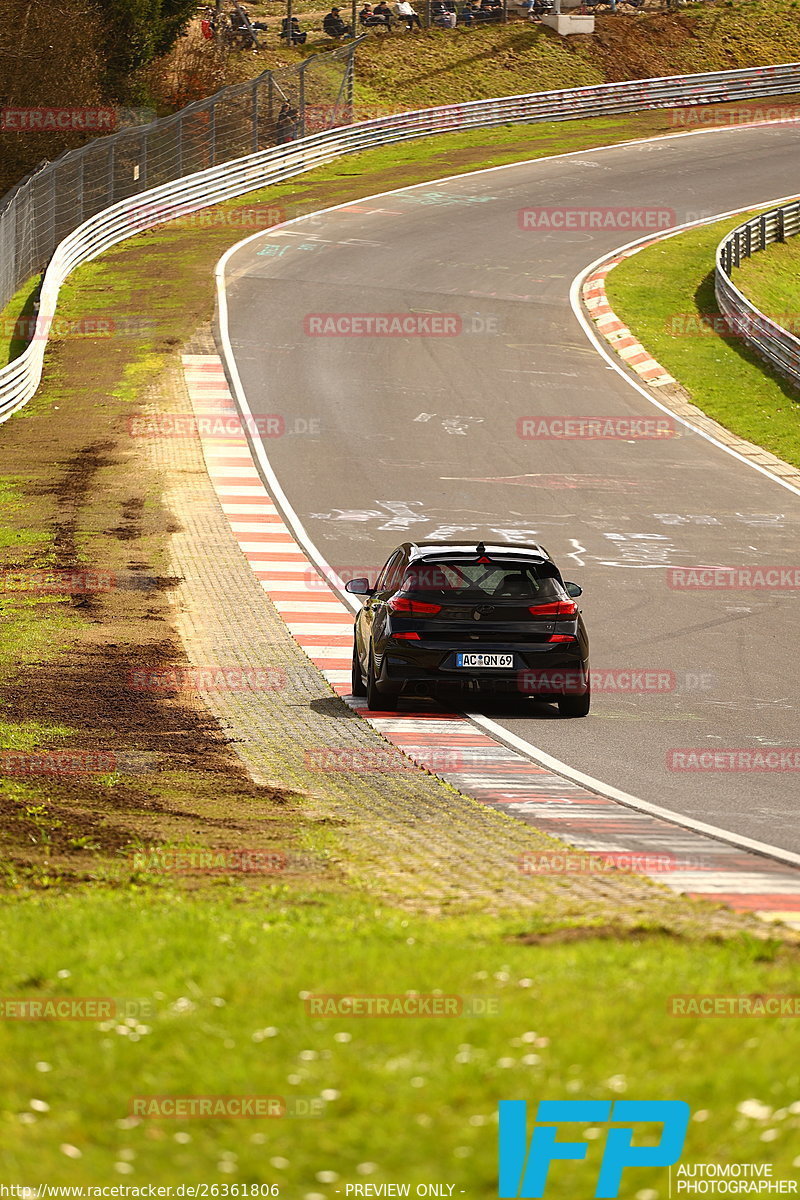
<point>19,380</point>
<point>771,341</point>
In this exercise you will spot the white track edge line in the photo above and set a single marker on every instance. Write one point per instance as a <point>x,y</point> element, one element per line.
<point>595,785</point>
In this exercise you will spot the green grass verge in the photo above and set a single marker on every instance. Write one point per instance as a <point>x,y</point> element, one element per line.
<point>14,320</point>
<point>663,291</point>
<point>415,1097</point>
<point>771,281</point>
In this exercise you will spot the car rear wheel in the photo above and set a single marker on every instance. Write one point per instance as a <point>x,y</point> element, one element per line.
<point>575,706</point>
<point>379,701</point>
<point>357,681</point>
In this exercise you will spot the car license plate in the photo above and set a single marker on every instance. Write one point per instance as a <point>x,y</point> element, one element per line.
<point>464,659</point>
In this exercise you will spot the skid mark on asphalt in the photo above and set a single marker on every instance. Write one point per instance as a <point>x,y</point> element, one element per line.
<point>446,744</point>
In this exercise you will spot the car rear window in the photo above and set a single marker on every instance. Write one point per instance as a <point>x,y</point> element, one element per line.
<point>501,579</point>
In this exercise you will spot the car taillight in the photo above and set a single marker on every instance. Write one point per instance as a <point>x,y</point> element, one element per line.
<point>560,609</point>
<point>402,604</point>
<point>406,637</point>
<point>561,637</point>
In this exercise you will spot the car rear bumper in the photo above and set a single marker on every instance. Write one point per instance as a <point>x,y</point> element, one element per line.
<point>539,670</point>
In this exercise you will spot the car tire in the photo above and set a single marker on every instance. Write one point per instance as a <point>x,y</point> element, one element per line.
<point>379,701</point>
<point>357,687</point>
<point>575,706</point>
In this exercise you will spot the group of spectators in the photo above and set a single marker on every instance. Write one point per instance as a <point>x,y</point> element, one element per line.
<point>445,14</point>
<point>382,16</point>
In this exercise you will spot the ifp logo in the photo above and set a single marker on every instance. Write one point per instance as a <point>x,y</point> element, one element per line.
<point>524,1168</point>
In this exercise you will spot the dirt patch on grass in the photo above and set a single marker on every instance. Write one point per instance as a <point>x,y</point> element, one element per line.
<point>96,766</point>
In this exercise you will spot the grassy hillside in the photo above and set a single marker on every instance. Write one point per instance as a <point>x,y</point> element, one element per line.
<point>441,66</point>
<point>771,281</point>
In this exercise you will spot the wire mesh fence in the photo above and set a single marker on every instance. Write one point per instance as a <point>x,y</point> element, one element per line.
<point>274,108</point>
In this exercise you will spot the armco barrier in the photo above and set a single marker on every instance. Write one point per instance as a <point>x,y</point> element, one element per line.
<point>776,345</point>
<point>20,379</point>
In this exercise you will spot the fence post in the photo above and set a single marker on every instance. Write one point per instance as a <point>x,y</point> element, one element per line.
<point>143,164</point>
<point>111,173</point>
<point>52,207</point>
<point>81,197</point>
<point>301,101</point>
<point>179,148</point>
<point>349,83</point>
<point>781,228</point>
<point>212,135</point>
<point>254,114</point>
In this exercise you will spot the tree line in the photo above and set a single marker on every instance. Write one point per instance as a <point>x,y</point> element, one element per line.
<point>72,54</point>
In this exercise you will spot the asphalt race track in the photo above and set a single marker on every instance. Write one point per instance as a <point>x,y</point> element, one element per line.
<point>401,438</point>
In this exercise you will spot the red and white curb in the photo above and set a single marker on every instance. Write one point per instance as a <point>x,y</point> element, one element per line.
<point>447,744</point>
<point>618,336</point>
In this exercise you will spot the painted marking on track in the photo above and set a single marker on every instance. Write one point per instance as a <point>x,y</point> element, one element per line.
<point>491,770</point>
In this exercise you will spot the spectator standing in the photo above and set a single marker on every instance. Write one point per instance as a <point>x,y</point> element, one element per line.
<point>286,124</point>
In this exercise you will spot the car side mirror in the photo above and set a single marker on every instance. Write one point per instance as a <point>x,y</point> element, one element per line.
<point>359,587</point>
<point>573,589</point>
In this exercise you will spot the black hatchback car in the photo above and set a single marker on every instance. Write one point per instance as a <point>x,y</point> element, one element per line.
<point>477,617</point>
